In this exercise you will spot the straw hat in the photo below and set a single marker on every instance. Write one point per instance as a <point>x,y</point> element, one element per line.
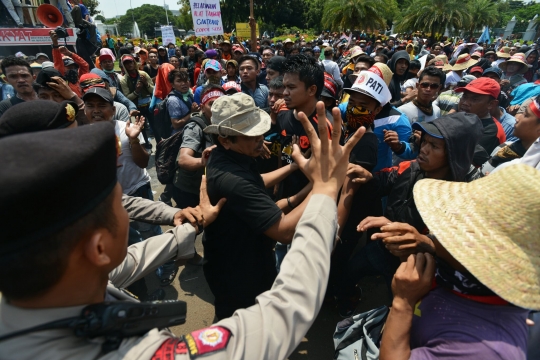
<point>517,58</point>
<point>444,58</point>
<point>464,61</point>
<point>491,226</point>
<point>476,55</point>
<point>383,71</point>
<point>238,115</point>
<point>504,53</point>
<point>356,51</point>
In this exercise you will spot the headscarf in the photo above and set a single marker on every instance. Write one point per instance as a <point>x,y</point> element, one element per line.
<point>143,55</point>
<point>163,86</point>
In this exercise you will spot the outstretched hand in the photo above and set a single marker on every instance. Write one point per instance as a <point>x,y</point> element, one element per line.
<point>327,166</point>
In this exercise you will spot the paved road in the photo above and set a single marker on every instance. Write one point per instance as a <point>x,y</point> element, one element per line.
<point>191,287</point>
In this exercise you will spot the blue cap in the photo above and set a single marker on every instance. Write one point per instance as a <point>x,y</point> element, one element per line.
<point>494,70</point>
<point>428,128</point>
<point>316,48</point>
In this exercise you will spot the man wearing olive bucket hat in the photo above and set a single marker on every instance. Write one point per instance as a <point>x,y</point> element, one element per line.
<point>238,249</point>
<point>485,257</point>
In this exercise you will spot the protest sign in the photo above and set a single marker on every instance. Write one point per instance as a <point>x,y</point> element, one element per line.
<point>206,17</point>
<point>167,35</point>
<point>244,31</point>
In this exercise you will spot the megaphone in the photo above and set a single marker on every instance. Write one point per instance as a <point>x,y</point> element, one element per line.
<point>50,16</point>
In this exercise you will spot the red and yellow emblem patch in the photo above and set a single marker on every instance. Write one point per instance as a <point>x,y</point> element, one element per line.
<point>207,340</point>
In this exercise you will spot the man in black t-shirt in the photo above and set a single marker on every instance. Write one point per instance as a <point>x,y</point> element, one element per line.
<point>368,95</point>
<point>240,262</point>
<point>304,81</point>
<point>152,67</point>
<point>19,75</point>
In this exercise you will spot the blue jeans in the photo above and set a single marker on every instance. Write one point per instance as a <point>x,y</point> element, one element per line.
<point>280,251</point>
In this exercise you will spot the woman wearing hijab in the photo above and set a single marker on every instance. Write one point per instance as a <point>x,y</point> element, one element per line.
<point>531,58</point>
<point>163,57</point>
<point>163,87</point>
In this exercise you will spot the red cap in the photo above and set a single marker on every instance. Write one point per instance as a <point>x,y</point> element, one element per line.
<point>128,58</point>
<point>482,86</point>
<point>476,69</point>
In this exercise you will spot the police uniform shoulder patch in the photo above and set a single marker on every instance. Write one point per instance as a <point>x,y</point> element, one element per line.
<point>207,340</point>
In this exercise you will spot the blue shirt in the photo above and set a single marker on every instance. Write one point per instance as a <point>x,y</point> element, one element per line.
<point>7,91</point>
<point>508,121</point>
<point>389,118</point>
<point>84,11</point>
<point>260,95</point>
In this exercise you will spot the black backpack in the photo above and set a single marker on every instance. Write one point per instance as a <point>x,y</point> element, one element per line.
<point>167,152</point>
<point>162,119</point>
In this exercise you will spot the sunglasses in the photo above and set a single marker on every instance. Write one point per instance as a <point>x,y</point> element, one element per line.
<point>432,86</point>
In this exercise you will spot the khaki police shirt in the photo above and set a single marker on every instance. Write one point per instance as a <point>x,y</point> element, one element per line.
<point>153,212</point>
<point>270,329</point>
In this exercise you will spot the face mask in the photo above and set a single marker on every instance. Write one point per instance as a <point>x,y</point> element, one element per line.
<point>358,116</point>
<point>72,76</point>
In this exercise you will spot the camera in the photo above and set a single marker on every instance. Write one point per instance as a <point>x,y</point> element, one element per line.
<point>61,33</point>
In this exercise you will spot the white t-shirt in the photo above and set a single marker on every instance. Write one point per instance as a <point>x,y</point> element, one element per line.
<point>497,62</point>
<point>416,115</point>
<point>130,176</point>
<point>452,79</point>
<point>411,83</point>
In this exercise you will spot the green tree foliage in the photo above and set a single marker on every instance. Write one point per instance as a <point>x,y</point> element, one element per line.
<point>523,13</point>
<point>146,17</point>
<point>481,13</point>
<point>100,18</point>
<point>357,14</point>
<point>92,6</point>
<point>433,16</point>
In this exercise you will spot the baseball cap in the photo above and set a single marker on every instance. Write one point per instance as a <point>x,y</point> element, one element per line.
<point>238,115</point>
<point>90,80</point>
<point>127,58</point>
<point>482,86</point>
<point>493,70</point>
<point>476,69</point>
<point>428,128</point>
<point>212,64</point>
<point>69,61</point>
<point>238,48</point>
<point>47,64</point>
<point>316,49</point>
<point>101,92</point>
<point>42,54</point>
<point>465,80</point>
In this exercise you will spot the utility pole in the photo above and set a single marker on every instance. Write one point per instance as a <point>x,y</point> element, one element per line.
<point>253,26</point>
<point>166,11</point>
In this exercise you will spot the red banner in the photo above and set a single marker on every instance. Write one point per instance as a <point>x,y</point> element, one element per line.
<point>30,36</point>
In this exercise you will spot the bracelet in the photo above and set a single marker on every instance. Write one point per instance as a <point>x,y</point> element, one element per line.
<point>289,203</point>
<point>134,141</point>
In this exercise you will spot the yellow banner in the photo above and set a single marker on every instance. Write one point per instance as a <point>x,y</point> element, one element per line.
<point>244,31</point>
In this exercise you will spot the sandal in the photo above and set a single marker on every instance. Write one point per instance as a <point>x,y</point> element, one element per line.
<point>167,273</point>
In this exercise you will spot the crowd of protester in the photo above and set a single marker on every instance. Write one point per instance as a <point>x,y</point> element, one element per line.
<point>430,199</point>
